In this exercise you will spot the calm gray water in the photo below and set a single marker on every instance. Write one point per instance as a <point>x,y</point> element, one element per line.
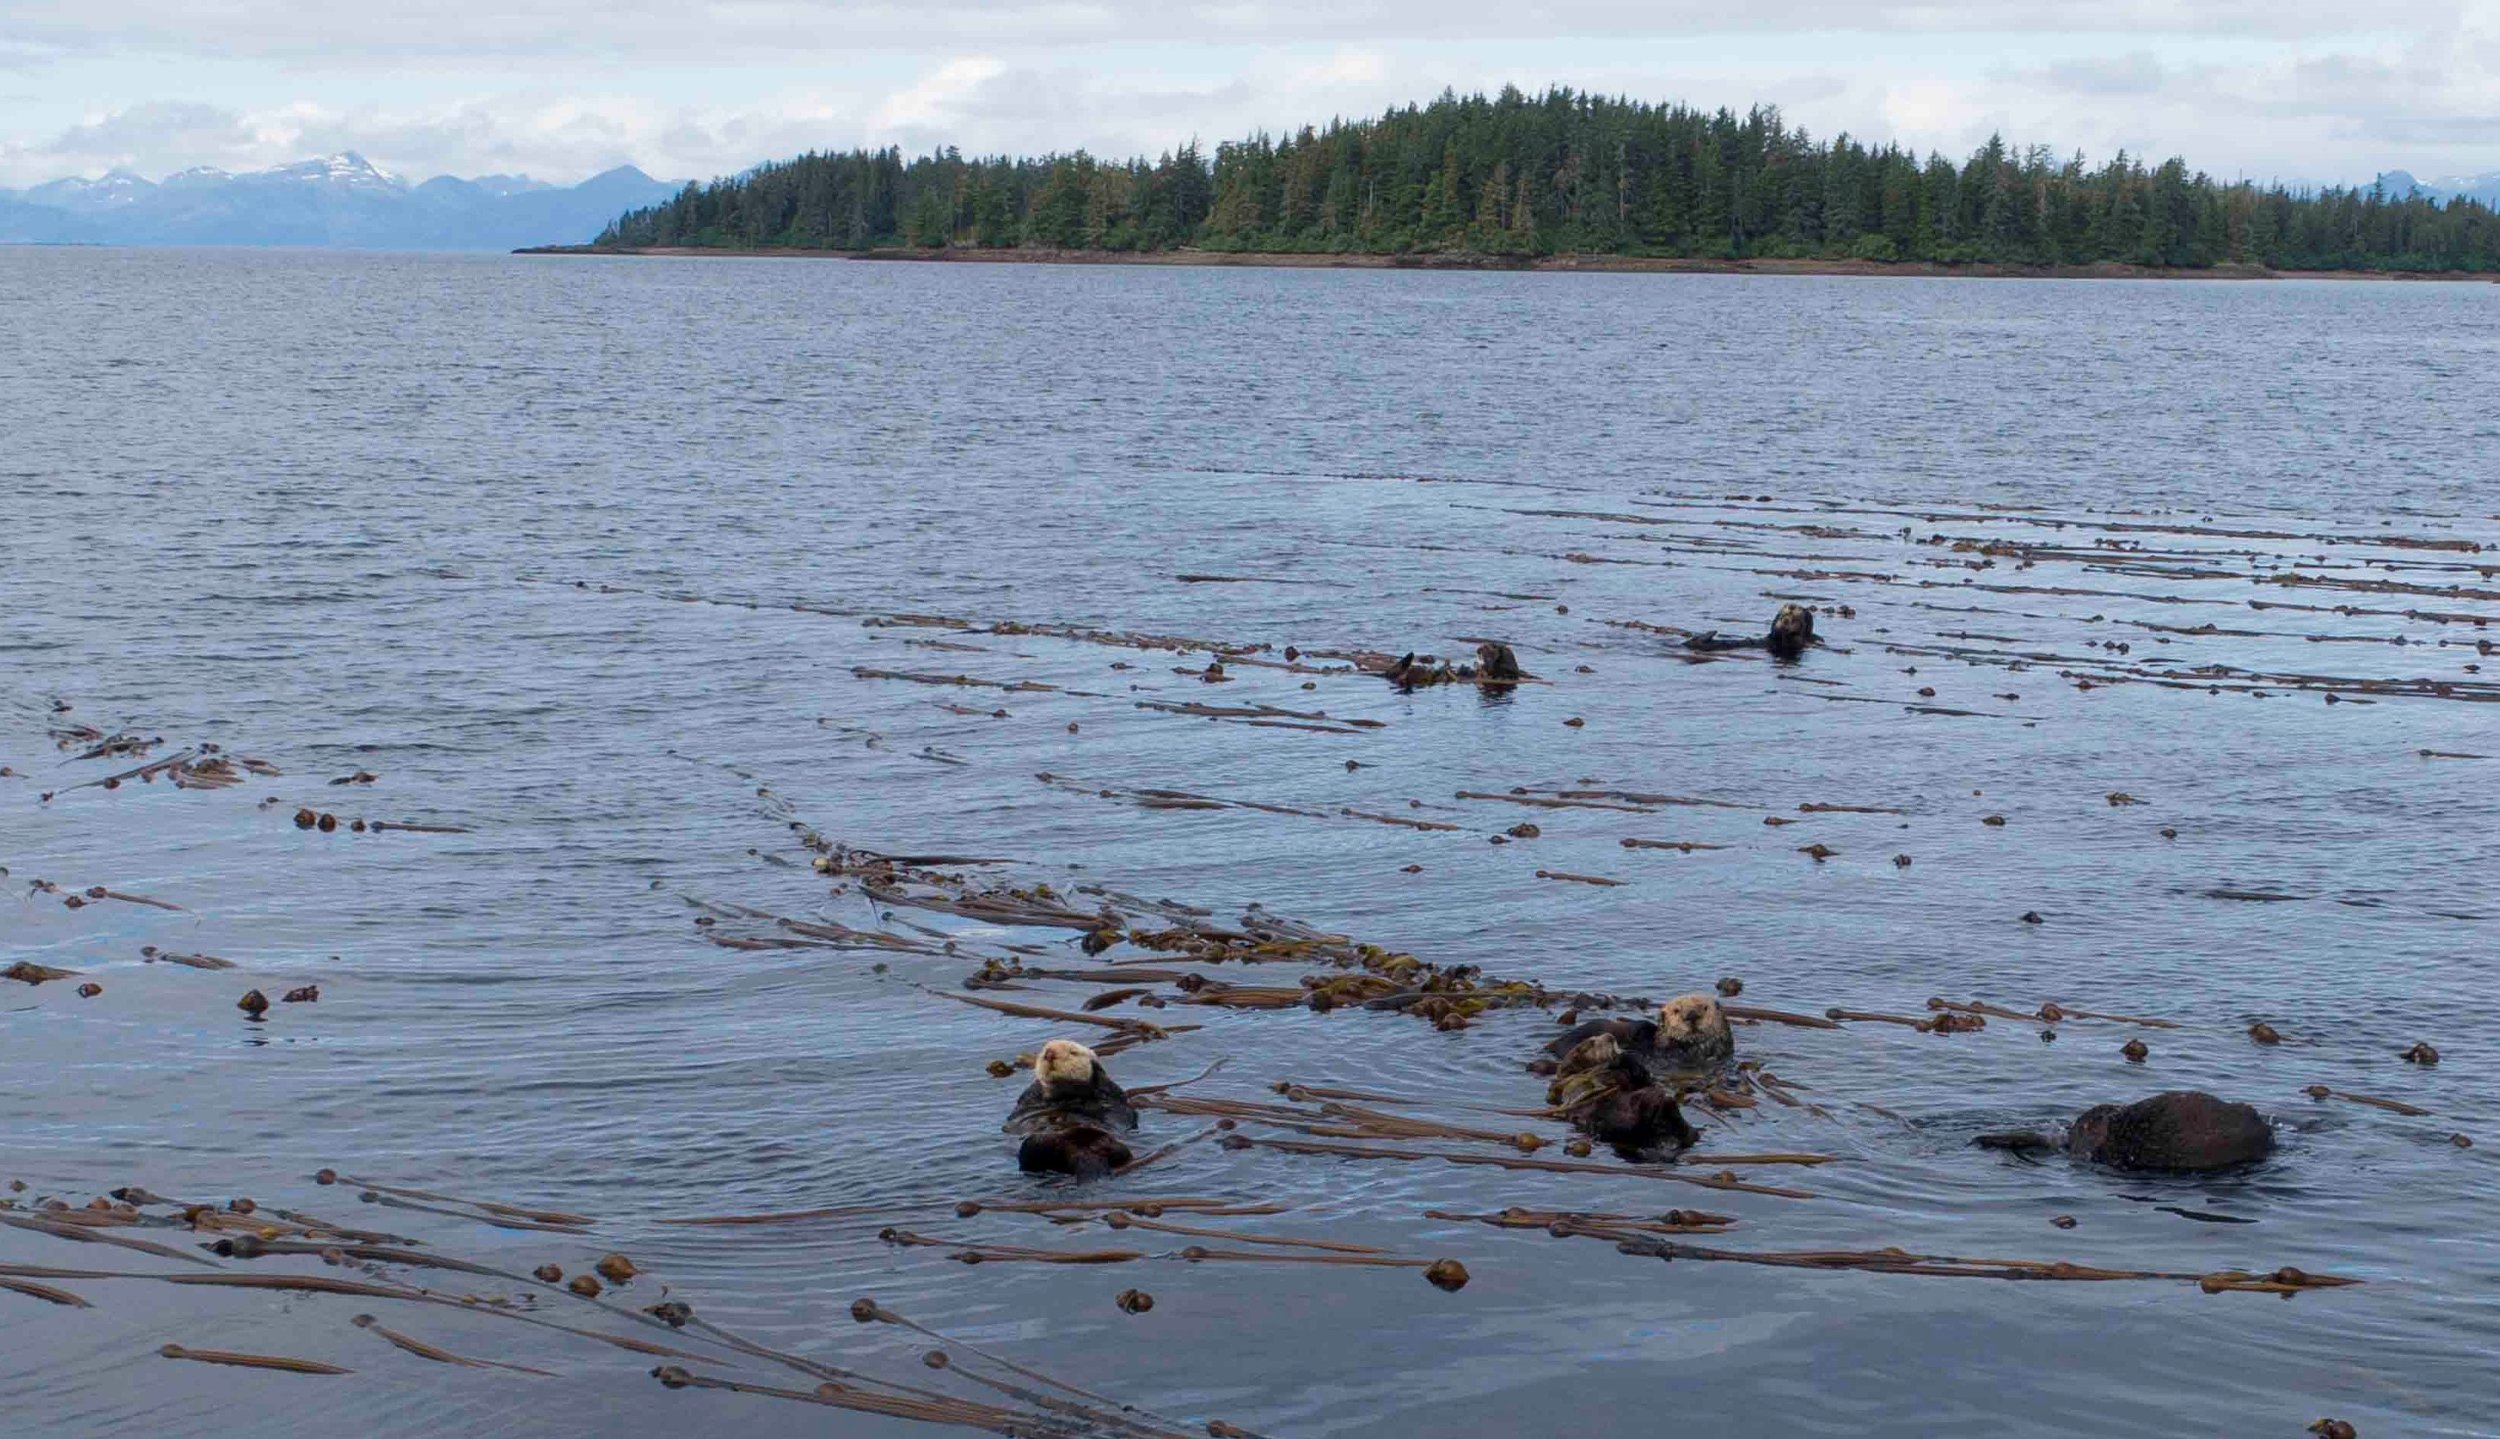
<point>578,555</point>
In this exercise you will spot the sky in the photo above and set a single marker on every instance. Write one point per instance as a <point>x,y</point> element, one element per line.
<point>2317,91</point>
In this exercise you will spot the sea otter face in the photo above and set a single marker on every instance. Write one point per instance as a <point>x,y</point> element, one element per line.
<point>1064,1061</point>
<point>1694,1021</point>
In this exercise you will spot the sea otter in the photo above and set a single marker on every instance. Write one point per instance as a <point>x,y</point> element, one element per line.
<point>1691,1032</point>
<point>2185,1131</point>
<point>1792,629</point>
<point>1495,664</point>
<point>1071,1114</point>
<point>1614,1098</point>
<point>1413,669</point>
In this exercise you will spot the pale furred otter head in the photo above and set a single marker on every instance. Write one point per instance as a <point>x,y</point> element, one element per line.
<point>1695,1022</point>
<point>1064,1061</point>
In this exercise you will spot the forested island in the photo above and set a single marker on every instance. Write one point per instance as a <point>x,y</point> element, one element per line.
<point>1516,179</point>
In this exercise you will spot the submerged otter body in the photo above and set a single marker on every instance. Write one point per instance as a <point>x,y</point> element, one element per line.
<point>1071,1115</point>
<point>1082,1150</point>
<point>1690,1032</point>
<point>2182,1132</point>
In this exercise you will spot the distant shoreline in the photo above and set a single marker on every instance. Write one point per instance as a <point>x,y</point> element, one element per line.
<point>1543,264</point>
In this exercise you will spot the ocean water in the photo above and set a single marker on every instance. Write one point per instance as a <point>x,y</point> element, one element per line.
<point>584,559</point>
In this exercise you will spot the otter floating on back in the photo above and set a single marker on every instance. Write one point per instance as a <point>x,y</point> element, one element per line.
<point>1691,1032</point>
<point>1071,1115</point>
<point>1496,665</point>
<point>1792,630</point>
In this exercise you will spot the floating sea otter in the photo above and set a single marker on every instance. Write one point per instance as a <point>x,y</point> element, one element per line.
<point>1690,1032</point>
<point>1792,630</point>
<point>1615,1099</point>
<point>1071,1115</point>
<point>1412,670</point>
<point>2185,1131</point>
<point>1495,665</point>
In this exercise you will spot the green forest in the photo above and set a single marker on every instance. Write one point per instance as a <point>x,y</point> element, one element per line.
<point>1572,174</point>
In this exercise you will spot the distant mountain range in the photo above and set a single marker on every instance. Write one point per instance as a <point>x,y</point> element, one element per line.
<point>341,201</point>
<point>2485,188</point>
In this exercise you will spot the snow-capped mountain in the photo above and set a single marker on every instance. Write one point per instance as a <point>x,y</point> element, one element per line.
<point>2484,188</point>
<point>80,196</point>
<point>345,170</point>
<point>341,200</point>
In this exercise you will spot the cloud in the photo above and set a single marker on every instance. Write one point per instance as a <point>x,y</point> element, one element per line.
<point>416,33</point>
<point>561,88</point>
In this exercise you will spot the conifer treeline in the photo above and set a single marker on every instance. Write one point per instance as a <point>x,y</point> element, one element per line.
<point>1572,173</point>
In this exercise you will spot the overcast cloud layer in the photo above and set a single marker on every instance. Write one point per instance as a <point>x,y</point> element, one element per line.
<point>2300,89</point>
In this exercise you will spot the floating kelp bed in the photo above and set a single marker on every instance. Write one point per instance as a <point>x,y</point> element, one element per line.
<point>1023,942</point>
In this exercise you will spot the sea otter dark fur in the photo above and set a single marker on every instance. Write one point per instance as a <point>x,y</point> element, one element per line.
<point>1070,1088</point>
<point>2185,1131</point>
<point>1614,1098</point>
<point>1690,1032</point>
<point>1495,664</point>
<point>1084,1150</point>
<point>1792,629</point>
<point>1412,670</point>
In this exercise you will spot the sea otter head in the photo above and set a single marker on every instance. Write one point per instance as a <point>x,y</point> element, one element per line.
<point>1694,1021</point>
<point>1064,1062</point>
<point>1595,1052</point>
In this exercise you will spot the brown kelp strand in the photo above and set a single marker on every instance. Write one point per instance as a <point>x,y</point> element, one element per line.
<point>45,1292</point>
<point>252,1246</point>
<point>973,1253</point>
<point>1777,1016</point>
<point>2055,1013</point>
<point>1123,1220</point>
<point>1673,1221</point>
<point>1134,1027</point>
<point>513,1211</point>
<point>60,1229</point>
<point>251,1361</point>
<point>409,1343</point>
<point>153,955</point>
<point>1902,1261</point>
<point>497,1221</point>
<point>1551,1166</point>
<point>1197,1254</point>
<point>2392,1106</point>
